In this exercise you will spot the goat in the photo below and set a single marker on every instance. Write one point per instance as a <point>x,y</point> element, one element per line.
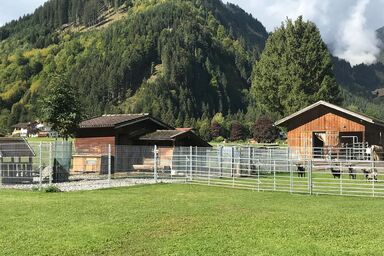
<point>370,175</point>
<point>336,173</point>
<point>352,173</point>
<point>300,171</point>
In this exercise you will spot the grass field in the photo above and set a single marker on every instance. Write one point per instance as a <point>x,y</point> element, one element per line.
<point>188,220</point>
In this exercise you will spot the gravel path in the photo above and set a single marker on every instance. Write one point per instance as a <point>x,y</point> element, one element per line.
<point>93,184</point>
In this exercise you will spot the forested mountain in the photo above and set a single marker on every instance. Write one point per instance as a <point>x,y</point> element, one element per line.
<point>177,59</point>
<point>182,61</point>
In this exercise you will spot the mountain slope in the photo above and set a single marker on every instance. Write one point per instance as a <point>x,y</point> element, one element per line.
<point>176,59</point>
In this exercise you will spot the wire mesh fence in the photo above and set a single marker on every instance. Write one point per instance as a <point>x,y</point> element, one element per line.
<point>335,171</point>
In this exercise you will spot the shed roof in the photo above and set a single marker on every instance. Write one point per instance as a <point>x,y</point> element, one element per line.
<point>21,125</point>
<point>172,135</point>
<point>106,121</point>
<point>15,147</point>
<point>332,106</point>
<point>163,135</point>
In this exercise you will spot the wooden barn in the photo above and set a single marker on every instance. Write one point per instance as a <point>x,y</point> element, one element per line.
<point>323,126</point>
<point>119,131</point>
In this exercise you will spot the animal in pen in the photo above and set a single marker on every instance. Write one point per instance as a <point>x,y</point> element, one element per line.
<point>300,171</point>
<point>370,175</point>
<point>336,173</point>
<point>352,173</point>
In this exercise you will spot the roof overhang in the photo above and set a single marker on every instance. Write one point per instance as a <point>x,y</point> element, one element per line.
<point>332,106</point>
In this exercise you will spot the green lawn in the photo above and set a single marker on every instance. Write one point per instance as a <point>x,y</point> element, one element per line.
<point>188,220</point>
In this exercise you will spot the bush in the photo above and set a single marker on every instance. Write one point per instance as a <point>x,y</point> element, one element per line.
<point>264,130</point>
<point>51,189</point>
<point>218,139</point>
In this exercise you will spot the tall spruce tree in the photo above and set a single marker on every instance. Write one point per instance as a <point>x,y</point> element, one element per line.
<point>294,70</point>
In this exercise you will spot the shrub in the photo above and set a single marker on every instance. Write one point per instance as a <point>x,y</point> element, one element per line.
<point>51,189</point>
<point>264,130</point>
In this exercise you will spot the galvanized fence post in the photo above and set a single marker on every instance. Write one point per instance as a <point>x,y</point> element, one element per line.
<point>40,166</point>
<point>232,167</point>
<point>249,161</point>
<point>258,177</point>
<point>374,177</point>
<point>190,162</point>
<point>274,175</point>
<point>155,163</point>
<point>341,178</point>
<point>109,163</point>
<point>290,178</point>
<point>270,160</point>
<point>1,172</point>
<point>220,161</point>
<point>209,172</point>
<point>310,178</point>
<point>50,164</point>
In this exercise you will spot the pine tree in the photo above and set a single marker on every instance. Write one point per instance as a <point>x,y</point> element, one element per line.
<point>294,70</point>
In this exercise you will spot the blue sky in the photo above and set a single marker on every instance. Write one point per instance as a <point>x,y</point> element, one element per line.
<point>348,26</point>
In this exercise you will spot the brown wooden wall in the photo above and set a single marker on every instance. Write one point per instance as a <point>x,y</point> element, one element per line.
<point>94,145</point>
<point>301,129</point>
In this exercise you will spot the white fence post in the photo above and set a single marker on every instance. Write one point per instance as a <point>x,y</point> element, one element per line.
<point>109,163</point>
<point>155,163</point>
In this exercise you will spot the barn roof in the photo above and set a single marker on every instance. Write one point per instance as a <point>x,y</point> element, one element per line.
<point>116,121</point>
<point>15,147</point>
<point>332,106</point>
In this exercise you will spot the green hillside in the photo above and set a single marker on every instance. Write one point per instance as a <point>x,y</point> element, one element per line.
<point>182,61</point>
<point>178,60</point>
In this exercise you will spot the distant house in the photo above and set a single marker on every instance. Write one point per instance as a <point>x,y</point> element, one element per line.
<point>323,126</point>
<point>32,129</point>
<point>16,161</point>
<point>21,130</point>
<point>119,131</point>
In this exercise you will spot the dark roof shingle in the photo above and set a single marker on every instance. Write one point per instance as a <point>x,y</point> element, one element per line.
<point>162,135</point>
<point>106,121</point>
<point>15,147</point>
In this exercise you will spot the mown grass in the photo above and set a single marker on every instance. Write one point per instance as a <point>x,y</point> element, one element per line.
<point>188,220</point>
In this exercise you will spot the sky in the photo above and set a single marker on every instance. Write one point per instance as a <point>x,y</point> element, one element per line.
<point>347,26</point>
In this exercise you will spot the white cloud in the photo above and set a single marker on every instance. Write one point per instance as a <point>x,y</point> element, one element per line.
<point>348,26</point>
<point>13,9</point>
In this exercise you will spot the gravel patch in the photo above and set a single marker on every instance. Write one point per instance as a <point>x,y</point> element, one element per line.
<point>93,184</point>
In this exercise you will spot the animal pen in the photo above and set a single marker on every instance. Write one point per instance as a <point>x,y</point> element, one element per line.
<point>335,171</point>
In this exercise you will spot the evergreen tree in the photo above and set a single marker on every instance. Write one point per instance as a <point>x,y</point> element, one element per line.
<point>294,70</point>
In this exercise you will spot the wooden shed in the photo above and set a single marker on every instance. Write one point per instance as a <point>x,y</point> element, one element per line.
<point>325,126</point>
<point>120,131</point>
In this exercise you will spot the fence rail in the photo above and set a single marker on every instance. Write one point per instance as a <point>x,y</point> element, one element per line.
<point>333,171</point>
